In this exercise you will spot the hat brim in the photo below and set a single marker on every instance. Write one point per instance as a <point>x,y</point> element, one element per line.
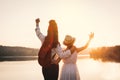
<point>69,43</point>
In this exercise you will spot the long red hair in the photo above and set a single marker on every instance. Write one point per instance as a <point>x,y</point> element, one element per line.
<point>51,40</point>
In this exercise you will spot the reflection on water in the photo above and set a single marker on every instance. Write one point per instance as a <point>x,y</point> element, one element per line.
<point>96,70</point>
<point>88,69</point>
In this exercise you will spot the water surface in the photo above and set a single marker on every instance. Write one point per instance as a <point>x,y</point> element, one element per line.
<point>88,69</point>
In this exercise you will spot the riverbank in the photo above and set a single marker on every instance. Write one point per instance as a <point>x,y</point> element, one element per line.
<point>17,58</point>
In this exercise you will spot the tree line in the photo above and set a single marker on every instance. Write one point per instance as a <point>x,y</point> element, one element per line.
<point>106,53</point>
<point>8,53</point>
<point>17,51</point>
<point>22,53</point>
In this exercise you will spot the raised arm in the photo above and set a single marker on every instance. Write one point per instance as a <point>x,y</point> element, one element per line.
<point>61,53</point>
<point>37,30</point>
<point>87,44</point>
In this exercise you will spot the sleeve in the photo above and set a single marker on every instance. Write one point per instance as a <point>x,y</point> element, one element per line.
<point>61,53</point>
<point>39,34</point>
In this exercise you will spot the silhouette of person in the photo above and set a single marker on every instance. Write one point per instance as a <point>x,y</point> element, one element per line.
<point>69,69</point>
<point>51,39</point>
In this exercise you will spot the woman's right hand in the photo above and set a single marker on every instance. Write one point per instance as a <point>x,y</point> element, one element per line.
<point>37,21</point>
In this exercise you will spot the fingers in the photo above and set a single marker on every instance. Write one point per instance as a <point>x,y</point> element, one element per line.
<point>37,20</point>
<point>91,35</point>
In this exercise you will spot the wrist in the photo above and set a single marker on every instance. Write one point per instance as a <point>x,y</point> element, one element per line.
<point>37,24</point>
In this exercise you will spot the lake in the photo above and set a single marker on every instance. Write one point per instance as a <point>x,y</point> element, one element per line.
<point>89,69</point>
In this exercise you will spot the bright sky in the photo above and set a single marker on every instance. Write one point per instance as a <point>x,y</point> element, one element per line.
<point>75,17</point>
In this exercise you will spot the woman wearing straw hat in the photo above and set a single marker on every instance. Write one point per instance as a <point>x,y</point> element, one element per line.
<point>69,69</point>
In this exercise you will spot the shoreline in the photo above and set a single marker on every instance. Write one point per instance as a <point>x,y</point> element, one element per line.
<point>25,58</point>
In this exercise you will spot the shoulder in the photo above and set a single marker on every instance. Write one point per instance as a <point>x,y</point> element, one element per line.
<point>58,46</point>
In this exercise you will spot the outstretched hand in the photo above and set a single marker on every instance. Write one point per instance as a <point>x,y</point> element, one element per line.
<point>91,36</point>
<point>37,21</point>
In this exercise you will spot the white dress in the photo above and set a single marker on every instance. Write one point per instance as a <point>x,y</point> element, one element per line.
<point>69,69</point>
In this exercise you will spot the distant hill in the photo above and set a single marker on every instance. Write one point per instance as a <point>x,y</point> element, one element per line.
<point>8,53</point>
<point>22,53</point>
<point>17,51</point>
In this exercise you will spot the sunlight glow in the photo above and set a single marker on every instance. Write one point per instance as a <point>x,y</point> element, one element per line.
<point>74,17</point>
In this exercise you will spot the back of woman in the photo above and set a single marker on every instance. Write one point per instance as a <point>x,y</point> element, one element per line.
<point>69,69</point>
<point>70,60</point>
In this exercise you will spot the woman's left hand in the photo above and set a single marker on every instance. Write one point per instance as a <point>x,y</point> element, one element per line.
<point>91,35</point>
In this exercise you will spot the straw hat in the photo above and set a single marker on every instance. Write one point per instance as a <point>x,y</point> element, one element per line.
<point>69,40</point>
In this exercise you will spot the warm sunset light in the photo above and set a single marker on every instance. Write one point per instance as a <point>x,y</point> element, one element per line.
<point>75,17</point>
